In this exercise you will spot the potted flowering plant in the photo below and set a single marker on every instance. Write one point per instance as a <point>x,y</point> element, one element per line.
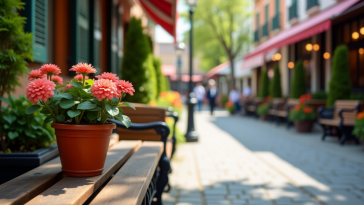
<point>229,106</point>
<point>359,126</point>
<point>303,117</point>
<point>79,115</point>
<point>263,111</point>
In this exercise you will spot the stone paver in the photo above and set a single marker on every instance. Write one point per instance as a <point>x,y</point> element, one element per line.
<point>241,160</point>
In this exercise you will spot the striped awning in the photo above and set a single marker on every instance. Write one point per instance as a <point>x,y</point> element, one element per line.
<point>162,12</point>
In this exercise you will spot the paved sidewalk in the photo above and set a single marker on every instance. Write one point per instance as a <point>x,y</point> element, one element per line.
<point>240,160</point>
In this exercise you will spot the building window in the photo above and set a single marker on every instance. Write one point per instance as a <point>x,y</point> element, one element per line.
<point>36,13</point>
<point>256,33</point>
<point>311,3</point>
<point>275,20</point>
<point>292,10</point>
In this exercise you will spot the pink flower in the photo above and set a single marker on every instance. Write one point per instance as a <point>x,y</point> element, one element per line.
<point>104,88</point>
<point>83,68</point>
<point>79,77</point>
<point>35,74</point>
<point>50,69</point>
<point>56,79</point>
<point>68,86</point>
<point>125,87</point>
<point>40,89</point>
<point>110,76</point>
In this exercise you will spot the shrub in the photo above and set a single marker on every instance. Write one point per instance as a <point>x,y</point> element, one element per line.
<point>359,126</point>
<point>275,87</point>
<point>302,112</point>
<point>339,85</point>
<point>263,109</point>
<point>24,133</point>
<point>298,86</point>
<point>159,75</point>
<point>264,85</point>
<point>136,63</point>
<point>319,95</point>
<point>229,106</point>
<point>152,84</point>
<point>224,99</point>
<point>357,97</point>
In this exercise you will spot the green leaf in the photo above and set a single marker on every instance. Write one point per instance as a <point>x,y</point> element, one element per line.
<point>77,85</point>
<point>92,115</point>
<point>9,118</point>
<point>62,95</point>
<point>13,135</point>
<point>32,109</point>
<point>5,100</point>
<point>129,105</point>
<point>45,111</point>
<point>86,106</point>
<point>22,122</point>
<point>97,108</point>
<point>90,82</point>
<point>112,110</point>
<point>29,133</point>
<point>115,100</point>
<point>73,113</point>
<point>66,103</point>
<point>60,86</point>
<point>47,120</point>
<point>74,80</point>
<point>119,116</point>
<point>61,118</point>
<point>126,121</point>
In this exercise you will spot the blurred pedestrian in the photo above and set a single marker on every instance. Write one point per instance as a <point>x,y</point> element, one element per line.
<point>234,97</point>
<point>211,95</point>
<point>199,91</point>
<point>247,93</point>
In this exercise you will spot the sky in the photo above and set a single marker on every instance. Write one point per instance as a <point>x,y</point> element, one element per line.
<point>161,36</point>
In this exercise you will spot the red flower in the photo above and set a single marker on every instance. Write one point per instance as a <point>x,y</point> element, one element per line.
<point>35,74</point>
<point>360,115</point>
<point>305,97</point>
<point>40,89</point>
<point>50,69</point>
<point>307,110</point>
<point>267,99</point>
<point>83,68</point>
<point>103,89</point>
<point>125,87</point>
<point>68,86</point>
<point>79,77</point>
<point>58,80</point>
<point>297,107</point>
<point>110,76</point>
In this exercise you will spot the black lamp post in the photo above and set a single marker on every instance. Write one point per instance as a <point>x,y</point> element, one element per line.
<point>179,51</point>
<point>191,134</point>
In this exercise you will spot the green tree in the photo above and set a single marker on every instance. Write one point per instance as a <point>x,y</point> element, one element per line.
<point>158,71</point>
<point>136,63</point>
<point>298,86</point>
<point>223,23</point>
<point>275,86</point>
<point>339,85</point>
<point>15,49</point>
<point>264,84</point>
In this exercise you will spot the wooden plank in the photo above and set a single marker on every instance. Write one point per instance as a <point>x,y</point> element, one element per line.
<point>74,190</point>
<point>27,186</point>
<point>130,184</point>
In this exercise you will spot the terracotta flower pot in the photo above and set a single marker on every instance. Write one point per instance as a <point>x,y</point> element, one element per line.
<point>303,126</point>
<point>83,148</point>
<point>263,117</point>
<point>232,112</point>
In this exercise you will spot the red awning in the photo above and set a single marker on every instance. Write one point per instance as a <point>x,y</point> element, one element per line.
<point>215,70</point>
<point>162,12</point>
<point>312,26</point>
<point>168,70</point>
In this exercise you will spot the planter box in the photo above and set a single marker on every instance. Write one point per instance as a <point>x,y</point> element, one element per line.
<point>315,104</point>
<point>15,164</point>
<point>303,126</point>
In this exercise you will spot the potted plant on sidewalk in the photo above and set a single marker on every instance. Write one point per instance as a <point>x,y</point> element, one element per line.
<point>263,111</point>
<point>303,115</point>
<point>80,115</point>
<point>229,106</point>
<point>359,126</point>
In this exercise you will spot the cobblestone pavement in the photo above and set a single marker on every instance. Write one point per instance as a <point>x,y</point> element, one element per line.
<point>240,160</point>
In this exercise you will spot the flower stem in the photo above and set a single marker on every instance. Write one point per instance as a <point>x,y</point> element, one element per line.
<point>83,80</point>
<point>50,110</point>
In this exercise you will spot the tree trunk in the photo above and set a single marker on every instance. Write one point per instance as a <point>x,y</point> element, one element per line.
<point>232,73</point>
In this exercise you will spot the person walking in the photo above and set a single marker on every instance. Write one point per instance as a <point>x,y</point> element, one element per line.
<point>234,97</point>
<point>200,92</point>
<point>211,95</point>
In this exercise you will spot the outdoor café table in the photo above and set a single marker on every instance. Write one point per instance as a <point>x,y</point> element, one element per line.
<point>129,177</point>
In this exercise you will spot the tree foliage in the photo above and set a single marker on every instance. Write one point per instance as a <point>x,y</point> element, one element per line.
<point>136,63</point>
<point>298,86</point>
<point>222,26</point>
<point>340,84</point>
<point>264,84</point>
<point>275,86</point>
<point>158,72</point>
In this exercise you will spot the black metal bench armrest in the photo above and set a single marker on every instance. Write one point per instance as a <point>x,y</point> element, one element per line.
<point>326,113</point>
<point>175,116</point>
<point>164,164</point>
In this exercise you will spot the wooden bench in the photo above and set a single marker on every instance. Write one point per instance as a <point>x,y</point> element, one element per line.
<point>341,117</point>
<point>129,177</point>
<point>251,107</point>
<point>277,105</point>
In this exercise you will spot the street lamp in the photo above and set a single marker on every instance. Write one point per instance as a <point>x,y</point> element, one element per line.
<point>179,51</point>
<point>191,134</point>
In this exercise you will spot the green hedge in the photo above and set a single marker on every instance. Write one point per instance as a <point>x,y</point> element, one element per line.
<point>275,87</point>
<point>339,85</point>
<point>158,72</point>
<point>264,84</point>
<point>298,86</point>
